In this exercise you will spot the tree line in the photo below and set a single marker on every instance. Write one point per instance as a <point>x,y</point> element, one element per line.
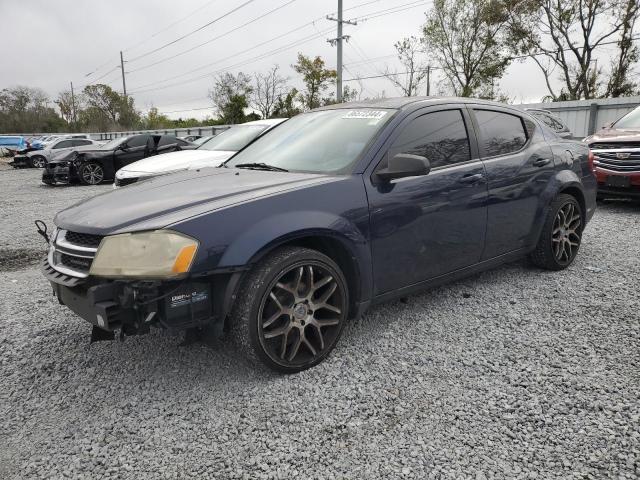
<point>471,42</point>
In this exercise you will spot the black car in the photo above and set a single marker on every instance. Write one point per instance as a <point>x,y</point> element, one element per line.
<point>335,210</point>
<point>95,166</point>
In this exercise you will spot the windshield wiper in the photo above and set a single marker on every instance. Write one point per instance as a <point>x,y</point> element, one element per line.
<point>261,166</point>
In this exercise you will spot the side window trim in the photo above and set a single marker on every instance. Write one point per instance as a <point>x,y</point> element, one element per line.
<point>476,125</point>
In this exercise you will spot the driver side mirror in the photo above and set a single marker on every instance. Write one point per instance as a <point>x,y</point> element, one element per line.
<point>404,165</point>
<point>123,147</point>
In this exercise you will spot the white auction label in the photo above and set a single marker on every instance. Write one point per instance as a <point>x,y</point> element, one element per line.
<point>366,114</point>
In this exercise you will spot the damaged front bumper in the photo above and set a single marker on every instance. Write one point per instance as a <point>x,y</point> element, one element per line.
<point>133,306</point>
<point>57,174</point>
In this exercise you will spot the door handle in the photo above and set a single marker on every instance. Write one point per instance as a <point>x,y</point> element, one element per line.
<point>541,162</point>
<point>475,178</point>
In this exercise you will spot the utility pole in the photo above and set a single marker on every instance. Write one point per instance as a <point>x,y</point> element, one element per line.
<point>73,105</point>
<point>428,80</point>
<point>124,83</point>
<point>338,41</point>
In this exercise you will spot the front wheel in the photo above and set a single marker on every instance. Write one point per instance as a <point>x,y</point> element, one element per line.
<point>561,234</point>
<point>291,309</point>
<point>91,173</point>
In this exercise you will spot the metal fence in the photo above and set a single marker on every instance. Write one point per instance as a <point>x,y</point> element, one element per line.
<point>178,132</point>
<point>584,117</point>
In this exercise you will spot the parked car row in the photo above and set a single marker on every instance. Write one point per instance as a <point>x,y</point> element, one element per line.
<point>311,223</point>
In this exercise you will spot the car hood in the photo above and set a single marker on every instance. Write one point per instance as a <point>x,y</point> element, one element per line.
<point>170,162</point>
<point>614,135</point>
<point>168,199</point>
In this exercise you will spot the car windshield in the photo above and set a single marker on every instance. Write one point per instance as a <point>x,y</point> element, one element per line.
<point>630,120</point>
<point>112,144</point>
<point>233,139</point>
<point>328,141</point>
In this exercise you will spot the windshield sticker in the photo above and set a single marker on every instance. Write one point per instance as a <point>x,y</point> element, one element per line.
<point>373,115</point>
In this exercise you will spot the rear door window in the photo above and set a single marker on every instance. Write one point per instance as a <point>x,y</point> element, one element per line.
<point>63,144</point>
<point>500,133</point>
<point>79,143</point>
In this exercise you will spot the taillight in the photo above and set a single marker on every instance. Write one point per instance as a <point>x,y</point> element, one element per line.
<point>591,161</point>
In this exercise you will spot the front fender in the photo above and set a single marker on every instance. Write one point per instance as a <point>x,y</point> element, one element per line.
<point>270,232</point>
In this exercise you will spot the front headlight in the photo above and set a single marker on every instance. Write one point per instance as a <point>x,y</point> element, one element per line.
<point>155,254</point>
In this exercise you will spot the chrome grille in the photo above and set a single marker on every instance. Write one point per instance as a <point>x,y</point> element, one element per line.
<point>623,157</point>
<point>72,253</point>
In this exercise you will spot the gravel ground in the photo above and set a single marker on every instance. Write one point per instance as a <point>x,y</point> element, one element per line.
<point>515,373</point>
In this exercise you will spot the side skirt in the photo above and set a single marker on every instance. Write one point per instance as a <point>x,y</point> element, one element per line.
<point>451,276</point>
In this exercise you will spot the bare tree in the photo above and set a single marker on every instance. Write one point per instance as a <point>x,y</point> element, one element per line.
<point>620,83</point>
<point>415,71</point>
<point>564,35</point>
<point>269,87</point>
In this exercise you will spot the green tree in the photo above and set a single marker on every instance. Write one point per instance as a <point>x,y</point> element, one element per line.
<point>317,79</point>
<point>107,109</point>
<point>230,96</point>
<point>469,40</point>
<point>287,105</point>
<point>25,110</point>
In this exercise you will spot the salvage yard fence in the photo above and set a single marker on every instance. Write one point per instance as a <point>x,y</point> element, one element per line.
<point>584,117</point>
<point>178,132</point>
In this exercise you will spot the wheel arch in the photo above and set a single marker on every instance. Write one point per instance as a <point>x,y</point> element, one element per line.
<point>340,249</point>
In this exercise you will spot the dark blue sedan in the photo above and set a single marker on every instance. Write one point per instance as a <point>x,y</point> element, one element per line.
<point>331,212</point>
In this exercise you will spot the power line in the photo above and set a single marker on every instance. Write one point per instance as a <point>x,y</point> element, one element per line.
<point>162,30</point>
<point>228,57</point>
<point>259,57</point>
<point>214,38</point>
<point>182,37</point>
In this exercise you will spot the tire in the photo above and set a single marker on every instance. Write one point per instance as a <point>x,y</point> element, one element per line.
<point>91,173</point>
<point>286,318</point>
<point>38,161</point>
<point>561,234</point>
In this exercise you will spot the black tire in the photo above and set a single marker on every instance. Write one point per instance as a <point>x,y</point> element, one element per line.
<point>91,173</point>
<point>561,234</point>
<point>38,161</point>
<point>310,330</point>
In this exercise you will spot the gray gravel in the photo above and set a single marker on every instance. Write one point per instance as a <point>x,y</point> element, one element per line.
<point>515,373</point>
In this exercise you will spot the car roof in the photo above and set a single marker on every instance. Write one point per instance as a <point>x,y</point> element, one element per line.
<point>268,121</point>
<point>400,103</point>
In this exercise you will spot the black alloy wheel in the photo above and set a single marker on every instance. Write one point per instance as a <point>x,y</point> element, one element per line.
<point>292,309</point>
<point>561,234</point>
<point>91,173</point>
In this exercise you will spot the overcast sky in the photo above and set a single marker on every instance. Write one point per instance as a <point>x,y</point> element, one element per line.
<point>51,43</point>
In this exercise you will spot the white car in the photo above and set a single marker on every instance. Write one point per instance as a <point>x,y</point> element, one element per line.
<point>211,153</point>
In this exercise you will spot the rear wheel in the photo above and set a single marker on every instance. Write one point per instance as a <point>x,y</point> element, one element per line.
<point>291,309</point>
<point>38,161</point>
<point>91,173</point>
<point>561,235</point>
